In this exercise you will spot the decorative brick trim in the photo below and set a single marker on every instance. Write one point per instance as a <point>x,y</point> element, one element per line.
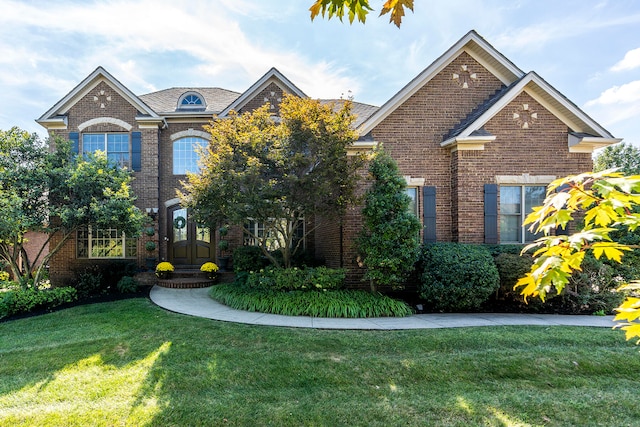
<point>102,120</point>
<point>190,132</point>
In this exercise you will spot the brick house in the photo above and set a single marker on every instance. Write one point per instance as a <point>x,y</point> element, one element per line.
<point>477,139</point>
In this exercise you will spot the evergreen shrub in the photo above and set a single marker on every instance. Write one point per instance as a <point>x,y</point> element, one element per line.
<point>457,276</point>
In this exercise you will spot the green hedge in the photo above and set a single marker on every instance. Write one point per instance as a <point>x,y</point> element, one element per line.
<point>457,276</point>
<point>24,301</point>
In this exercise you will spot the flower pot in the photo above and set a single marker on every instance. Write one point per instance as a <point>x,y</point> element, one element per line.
<point>223,263</point>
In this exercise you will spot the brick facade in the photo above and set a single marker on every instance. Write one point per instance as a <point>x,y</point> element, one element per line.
<point>472,91</point>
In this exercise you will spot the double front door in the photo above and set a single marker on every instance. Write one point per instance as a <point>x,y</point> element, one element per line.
<point>190,243</point>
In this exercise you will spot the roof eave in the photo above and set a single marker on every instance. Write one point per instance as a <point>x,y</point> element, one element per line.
<point>468,143</point>
<point>588,144</point>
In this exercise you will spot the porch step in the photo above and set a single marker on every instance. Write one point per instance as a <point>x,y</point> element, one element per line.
<point>185,283</point>
<point>188,277</point>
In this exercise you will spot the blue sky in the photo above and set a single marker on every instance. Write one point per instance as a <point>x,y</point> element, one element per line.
<point>588,50</point>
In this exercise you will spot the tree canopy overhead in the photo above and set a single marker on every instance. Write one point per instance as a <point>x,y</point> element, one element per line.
<point>360,9</point>
<point>277,172</point>
<point>56,192</point>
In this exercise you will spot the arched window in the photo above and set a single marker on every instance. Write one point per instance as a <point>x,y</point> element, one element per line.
<point>191,100</point>
<point>185,154</point>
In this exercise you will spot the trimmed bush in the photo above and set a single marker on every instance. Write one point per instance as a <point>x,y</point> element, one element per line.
<point>457,276</point>
<point>290,279</point>
<point>335,303</point>
<point>25,301</point>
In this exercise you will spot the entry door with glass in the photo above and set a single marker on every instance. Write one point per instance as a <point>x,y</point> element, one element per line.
<point>190,242</point>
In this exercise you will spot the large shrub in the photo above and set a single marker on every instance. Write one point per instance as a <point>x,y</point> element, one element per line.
<point>457,276</point>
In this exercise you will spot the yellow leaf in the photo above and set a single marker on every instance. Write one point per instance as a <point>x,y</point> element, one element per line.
<point>611,250</point>
<point>629,310</point>
<point>529,284</point>
<point>632,331</point>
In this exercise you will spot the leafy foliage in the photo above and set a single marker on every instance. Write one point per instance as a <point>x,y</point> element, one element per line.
<point>457,276</point>
<point>277,173</point>
<point>127,285</point>
<point>334,303</point>
<point>27,300</point>
<point>623,157</point>
<point>248,258</point>
<point>54,191</point>
<point>388,242</point>
<point>359,9</point>
<point>289,279</point>
<point>607,201</point>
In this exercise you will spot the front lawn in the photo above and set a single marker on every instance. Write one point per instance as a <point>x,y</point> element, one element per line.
<point>131,363</point>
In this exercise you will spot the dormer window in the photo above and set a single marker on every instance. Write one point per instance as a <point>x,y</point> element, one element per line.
<point>190,101</point>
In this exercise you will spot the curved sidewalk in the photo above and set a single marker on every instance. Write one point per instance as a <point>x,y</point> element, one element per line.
<point>196,302</point>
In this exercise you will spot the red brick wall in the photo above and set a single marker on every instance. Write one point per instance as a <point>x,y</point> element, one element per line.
<point>272,94</point>
<point>540,150</point>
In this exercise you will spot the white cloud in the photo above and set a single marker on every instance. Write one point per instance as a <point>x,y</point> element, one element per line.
<point>628,93</point>
<point>630,61</point>
<point>618,107</point>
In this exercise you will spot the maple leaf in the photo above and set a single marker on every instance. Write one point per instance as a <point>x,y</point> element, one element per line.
<point>396,8</point>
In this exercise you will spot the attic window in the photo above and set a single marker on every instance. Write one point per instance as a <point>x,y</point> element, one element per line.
<point>191,100</point>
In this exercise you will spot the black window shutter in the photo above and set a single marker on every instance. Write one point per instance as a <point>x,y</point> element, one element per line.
<point>136,150</point>
<point>429,214</point>
<point>74,137</point>
<point>491,213</point>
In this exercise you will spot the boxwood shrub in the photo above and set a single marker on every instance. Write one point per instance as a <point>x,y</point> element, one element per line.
<point>457,276</point>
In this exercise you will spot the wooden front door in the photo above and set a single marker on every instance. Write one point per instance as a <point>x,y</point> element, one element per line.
<point>190,243</point>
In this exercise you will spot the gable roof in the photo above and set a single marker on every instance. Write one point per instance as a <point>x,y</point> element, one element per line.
<point>166,101</point>
<point>55,116</point>
<point>582,126</point>
<point>271,76</point>
<point>473,44</point>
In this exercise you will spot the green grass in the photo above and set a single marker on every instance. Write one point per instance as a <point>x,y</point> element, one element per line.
<point>131,363</point>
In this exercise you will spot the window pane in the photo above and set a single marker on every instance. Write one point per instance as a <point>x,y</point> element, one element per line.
<point>185,155</point>
<point>118,148</point>
<point>510,227</point>
<point>413,206</point>
<point>510,200</point>
<point>92,142</point>
<point>179,225</point>
<point>533,196</point>
<point>203,233</point>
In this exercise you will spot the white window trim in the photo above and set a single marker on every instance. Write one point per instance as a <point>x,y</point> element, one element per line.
<point>123,244</point>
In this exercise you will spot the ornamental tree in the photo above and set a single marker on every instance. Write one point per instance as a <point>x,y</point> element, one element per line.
<point>388,242</point>
<point>56,192</point>
<point>277,172</point>
<point>606,202</point>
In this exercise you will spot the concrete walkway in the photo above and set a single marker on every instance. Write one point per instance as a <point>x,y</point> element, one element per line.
<point>196,302</point>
